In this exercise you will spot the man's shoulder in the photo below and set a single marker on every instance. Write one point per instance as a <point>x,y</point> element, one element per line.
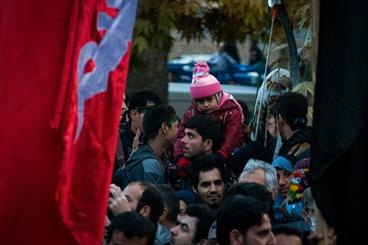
<point>143,156</point>
<point>298,149</point>
<point>143,152</point>
<point>151,165</point>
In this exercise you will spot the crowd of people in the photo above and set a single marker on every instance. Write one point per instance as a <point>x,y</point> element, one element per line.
<point>201,179</point>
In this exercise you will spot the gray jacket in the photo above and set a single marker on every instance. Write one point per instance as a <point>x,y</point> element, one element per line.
<point>141,166</point>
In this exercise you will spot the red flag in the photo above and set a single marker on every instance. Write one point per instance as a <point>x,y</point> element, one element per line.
<point>63,67</point>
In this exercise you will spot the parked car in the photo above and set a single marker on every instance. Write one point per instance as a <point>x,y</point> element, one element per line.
<point>181,68</point>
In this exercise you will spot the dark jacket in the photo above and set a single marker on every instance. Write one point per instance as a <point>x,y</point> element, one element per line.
<point>124,145</point>
<point>126,137</point>
<point>298,144</point>
<point>141,166</point>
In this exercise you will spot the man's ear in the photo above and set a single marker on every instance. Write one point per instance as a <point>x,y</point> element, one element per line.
<point>164,127</point>
<point>208,144</point>
<point>235,237</point>
<point>163,216</point>
<point>194,190</point>
<point>203,242</point>
<point>145,211</point>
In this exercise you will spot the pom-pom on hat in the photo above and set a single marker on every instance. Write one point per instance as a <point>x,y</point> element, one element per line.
<point>203,83</point>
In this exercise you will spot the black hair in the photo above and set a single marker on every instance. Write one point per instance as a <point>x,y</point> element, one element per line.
<point>205,217</point>
<point>255,190</point>
<point>258,54</point>
<point>238,212</point>
<point>151,197</point>
<point>205,163</point>
<point>140,99</point>
<point>170,200</point>
<point>155,116</point>
<point>132,225</point>
<point>251,150</point>
<point>245,109</point>
<point>208,128</point>
<point>293,107</point>
<point>287,230</point>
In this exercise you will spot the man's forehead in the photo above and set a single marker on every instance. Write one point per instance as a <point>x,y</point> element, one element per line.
<point>191,130</point>
<point>282,171</point>
<point>187,219</point>
<point>265,225</point>
<point>256,176</point>
<point>257,172</point>
<point>133,190</point>
<point>210,175</point>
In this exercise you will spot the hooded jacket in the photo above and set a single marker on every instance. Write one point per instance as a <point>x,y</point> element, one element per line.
<point>298,144</point>
<point>141,166</point>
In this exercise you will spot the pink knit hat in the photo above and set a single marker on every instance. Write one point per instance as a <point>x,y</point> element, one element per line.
<point>203,83</point>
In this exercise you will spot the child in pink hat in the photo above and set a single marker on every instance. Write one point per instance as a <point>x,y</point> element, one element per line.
<point>208,98</point>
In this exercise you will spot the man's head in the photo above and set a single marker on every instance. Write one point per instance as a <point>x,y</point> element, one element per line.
<point>246,127</point>
<point>208,179</point>
<point>291,111</point>
<point>144,198</point>
<point>186,198</point>
<point>130,228</point>
<point>254,190</point>
<point>171,206</point>
<point>138,104</point>
<point>287,235</point>
<point>160,120</point>
<point>133,192</point>
<point>260,172</point>
<point>203,135</point>
<point>244,221</point>
<point>284,165</point>
<point>150,205</point>
<point>193,227</point>
<point>251,150</point>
